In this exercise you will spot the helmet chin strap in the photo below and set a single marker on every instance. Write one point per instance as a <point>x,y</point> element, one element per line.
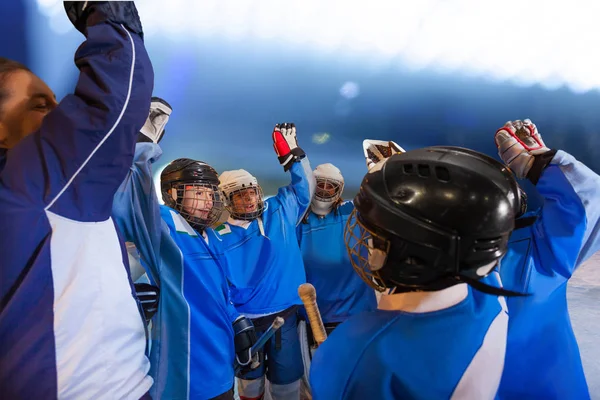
<point>321,208</point>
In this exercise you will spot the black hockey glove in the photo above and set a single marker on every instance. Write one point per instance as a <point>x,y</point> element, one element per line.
<point>148,295</point>
<point>245,337</point>
<point>84,14</point>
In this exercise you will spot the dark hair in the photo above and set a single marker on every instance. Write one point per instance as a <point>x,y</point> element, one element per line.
<point>7,67</point>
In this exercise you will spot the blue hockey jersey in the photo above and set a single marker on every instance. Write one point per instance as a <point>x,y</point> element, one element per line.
<point>265,271</point>
<point>69,323</point>
<point>429,353</point>
<point>542,359</point>
<point>340,291</point>
<point>192,354</point>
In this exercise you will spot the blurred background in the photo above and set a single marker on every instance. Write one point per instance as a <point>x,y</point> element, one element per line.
<point>419,73</point>
<point>426,72</point>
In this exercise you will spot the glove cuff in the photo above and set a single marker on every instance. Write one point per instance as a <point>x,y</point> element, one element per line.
<point>295,155</point>
<point>540,162</point>
<point>245,337</point>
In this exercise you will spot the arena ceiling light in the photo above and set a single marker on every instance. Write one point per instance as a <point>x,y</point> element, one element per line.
<point>525,42</point>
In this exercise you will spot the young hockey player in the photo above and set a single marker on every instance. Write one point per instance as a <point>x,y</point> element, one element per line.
<point>196,331</point>
<point>340,291</point>
<point>264,264</point>
<point>434,222</point>
<point>542,359</point>
<point>69,324</point>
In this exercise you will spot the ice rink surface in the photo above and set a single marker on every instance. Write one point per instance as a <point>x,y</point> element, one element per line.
<point>584,305</point>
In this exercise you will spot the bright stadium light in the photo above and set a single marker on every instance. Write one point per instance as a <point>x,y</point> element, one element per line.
<point>523,42</point>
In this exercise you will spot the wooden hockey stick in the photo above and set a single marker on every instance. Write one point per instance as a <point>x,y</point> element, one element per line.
<point>308,295</point>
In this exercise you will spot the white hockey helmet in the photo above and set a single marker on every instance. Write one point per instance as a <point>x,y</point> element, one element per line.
<point>330,185</point>
<point>250,204</point>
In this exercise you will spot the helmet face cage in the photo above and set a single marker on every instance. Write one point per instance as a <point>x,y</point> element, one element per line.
<point>246,203</point>
<point>328,190</point>
<point>367,252</point>
<point>200,204</point>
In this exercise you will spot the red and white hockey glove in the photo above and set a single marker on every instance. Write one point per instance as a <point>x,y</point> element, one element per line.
<point>286,145</point>
<point>522,149</point>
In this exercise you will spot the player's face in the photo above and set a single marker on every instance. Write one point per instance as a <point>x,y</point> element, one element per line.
<point>326,189</point>
<point>198,201</point>
<point>245,201</point>
<point>28,101</point>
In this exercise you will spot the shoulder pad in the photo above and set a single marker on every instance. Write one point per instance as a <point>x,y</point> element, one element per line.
<point>346,207</point>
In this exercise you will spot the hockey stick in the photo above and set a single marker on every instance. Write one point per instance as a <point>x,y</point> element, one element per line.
<point>308,295</point>
<point>262,340</point>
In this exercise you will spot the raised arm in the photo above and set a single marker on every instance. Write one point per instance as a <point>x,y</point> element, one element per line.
<point>568,224</point>
<point>136,209</point>
<point>75,162</point>
<point>572,196</point>
<point>296,196</point>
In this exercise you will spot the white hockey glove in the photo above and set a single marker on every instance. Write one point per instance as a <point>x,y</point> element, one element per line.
<point>522,149</point>
<point>154,127</point>
<point>376,151</point>
<point>286,145</point>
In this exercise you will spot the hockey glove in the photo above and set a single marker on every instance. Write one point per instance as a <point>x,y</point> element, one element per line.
<point>522,149</point>
<point>286,145</point>
<point>148,295</point>
<point>376,151</point>
<point>154,127</point>
<point>84,14</point>
<point>245,337</point>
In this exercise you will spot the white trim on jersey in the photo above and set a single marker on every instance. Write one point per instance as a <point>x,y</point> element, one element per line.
<point>481,379</point>
<point>91,290</point>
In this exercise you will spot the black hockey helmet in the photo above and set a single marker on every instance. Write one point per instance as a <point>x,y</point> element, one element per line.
<point>192,188</point>
<point>431,218</point>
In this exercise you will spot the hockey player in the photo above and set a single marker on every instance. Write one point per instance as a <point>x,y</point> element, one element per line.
<point>542,359</point>
<point>435,222</point>
<point>340,291</point>
<point>264,264</point>
<point>197,331</point>
<point>60,335</point>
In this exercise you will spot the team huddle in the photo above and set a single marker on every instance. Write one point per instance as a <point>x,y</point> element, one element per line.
<point>437,281</point>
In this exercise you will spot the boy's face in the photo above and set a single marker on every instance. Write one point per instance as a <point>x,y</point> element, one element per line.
<point>245,201</point>
<point>198,201</point>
